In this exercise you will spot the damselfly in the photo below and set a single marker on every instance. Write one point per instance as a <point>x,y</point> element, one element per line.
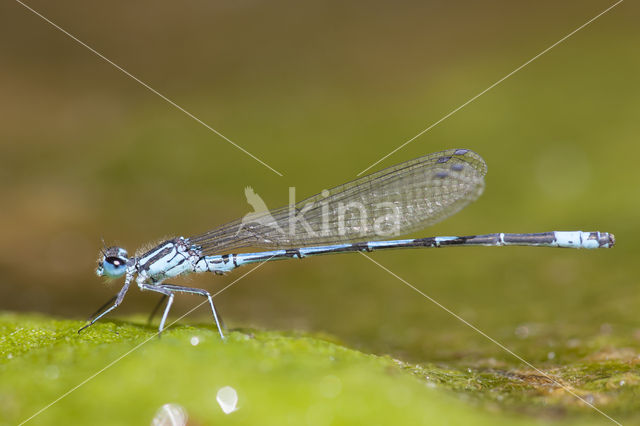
<point>358,216</point>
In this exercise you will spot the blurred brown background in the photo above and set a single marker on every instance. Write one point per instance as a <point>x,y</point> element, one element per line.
<point>319,91</point>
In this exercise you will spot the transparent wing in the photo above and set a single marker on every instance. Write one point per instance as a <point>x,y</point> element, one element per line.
<point>397,200</point>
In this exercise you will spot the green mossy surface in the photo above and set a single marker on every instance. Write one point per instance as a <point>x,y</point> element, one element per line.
<point>119,373</point>
<point>320,91</point>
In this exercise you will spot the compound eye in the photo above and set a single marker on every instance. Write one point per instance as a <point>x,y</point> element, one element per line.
<point>114,266</point>
<point>115,261</point>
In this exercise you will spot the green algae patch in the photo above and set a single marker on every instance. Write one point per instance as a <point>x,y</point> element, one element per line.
<point>121,373</point>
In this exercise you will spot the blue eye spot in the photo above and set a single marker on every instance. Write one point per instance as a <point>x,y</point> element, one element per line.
<point>114,267</point>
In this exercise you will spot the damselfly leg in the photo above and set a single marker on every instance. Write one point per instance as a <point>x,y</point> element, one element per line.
<point>155,309</point>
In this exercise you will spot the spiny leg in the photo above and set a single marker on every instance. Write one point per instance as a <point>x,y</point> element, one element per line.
<point>101,308</point>
<point>153,313</point>
<point>118,300</point>
<point>166,292</point>
<point>165,314</point>
<point>203,293</point>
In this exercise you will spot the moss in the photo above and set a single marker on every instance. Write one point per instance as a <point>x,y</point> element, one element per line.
<point>120,373</point>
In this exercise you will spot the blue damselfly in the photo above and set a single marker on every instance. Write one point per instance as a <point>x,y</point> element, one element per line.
<point>357,216</point>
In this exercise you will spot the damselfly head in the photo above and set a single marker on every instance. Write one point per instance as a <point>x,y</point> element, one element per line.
<point>113,262</point>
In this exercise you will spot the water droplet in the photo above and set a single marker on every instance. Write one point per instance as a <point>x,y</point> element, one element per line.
<point>170,415</point>
<point>195,341</point>
<point>522,331</point>
<point>573,343</point>
<point>52,372</point>
<point>330,386</point>
<point>227,397</point>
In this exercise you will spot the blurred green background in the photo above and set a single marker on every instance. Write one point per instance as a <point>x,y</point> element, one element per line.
<point>319,91</point>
